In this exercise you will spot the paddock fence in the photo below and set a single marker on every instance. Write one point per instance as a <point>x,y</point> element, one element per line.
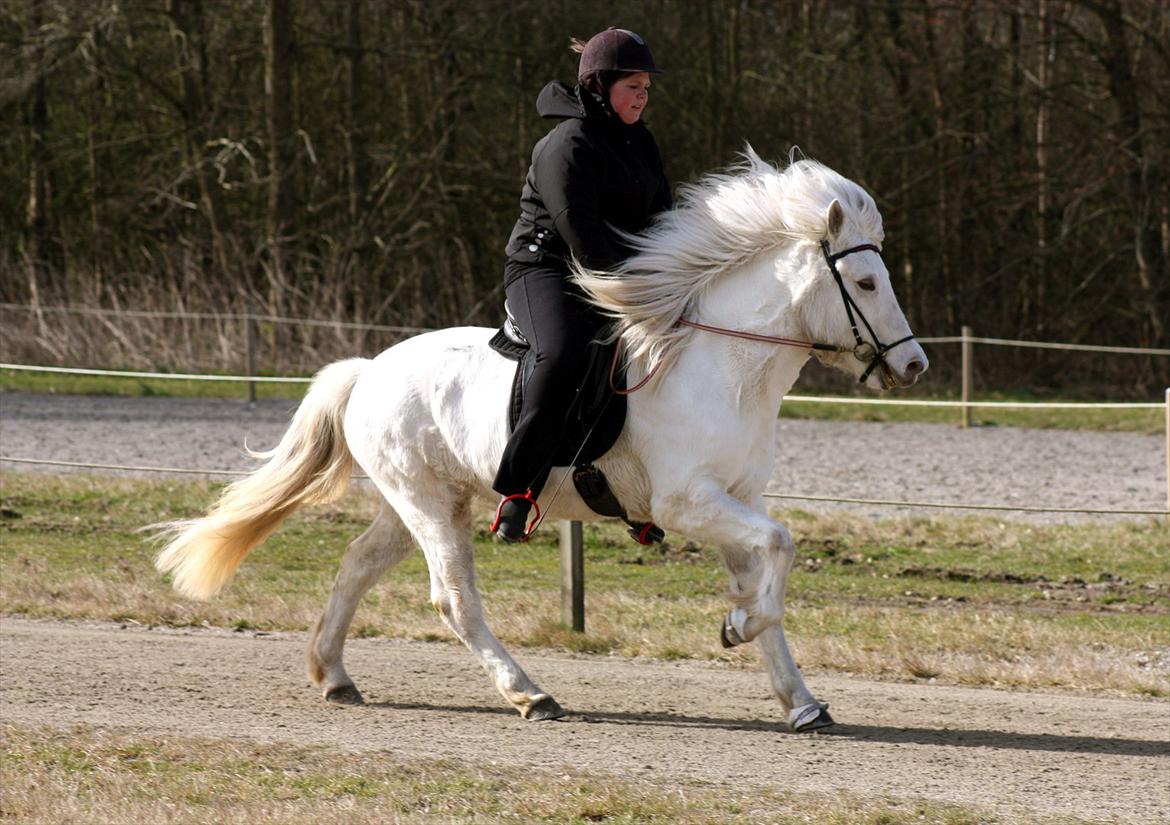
<point>571,533</point>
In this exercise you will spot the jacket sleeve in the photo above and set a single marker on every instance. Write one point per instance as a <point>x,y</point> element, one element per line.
<point>566,175</point>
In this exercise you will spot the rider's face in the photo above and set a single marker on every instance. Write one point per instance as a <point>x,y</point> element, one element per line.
<point>629,96</point>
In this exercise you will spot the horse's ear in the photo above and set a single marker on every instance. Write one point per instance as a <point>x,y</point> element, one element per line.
<point>835,219</point>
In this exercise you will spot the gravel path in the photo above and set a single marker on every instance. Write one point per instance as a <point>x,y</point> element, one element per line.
<point>905,462</point>
<point>1015,754</point>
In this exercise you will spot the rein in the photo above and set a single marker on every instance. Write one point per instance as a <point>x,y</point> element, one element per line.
<point>755,336</point>
<point>871,354</point>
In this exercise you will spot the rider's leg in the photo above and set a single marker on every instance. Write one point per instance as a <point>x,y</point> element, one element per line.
<point>559,325</point>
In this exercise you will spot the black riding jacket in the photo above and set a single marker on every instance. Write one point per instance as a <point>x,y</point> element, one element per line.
<point>591,172</point>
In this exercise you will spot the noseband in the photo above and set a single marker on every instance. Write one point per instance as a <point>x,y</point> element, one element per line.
<point>872,354</point>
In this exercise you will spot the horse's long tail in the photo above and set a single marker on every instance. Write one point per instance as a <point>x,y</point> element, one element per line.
<point>310,465</point>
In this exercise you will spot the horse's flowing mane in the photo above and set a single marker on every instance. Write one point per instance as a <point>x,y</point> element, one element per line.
<point>721,222</point>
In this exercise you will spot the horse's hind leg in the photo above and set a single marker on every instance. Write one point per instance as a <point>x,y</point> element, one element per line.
<point>441,524</point>
<point>384,543</point>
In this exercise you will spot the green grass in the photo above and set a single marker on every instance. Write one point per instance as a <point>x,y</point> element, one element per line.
<point>93,775</point>
<point>1151,421</point>
<point>969,600</point>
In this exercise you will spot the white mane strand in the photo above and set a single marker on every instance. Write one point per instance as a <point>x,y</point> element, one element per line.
<point>720,223</point>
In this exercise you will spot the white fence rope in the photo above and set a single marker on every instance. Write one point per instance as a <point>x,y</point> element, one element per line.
<point>138,469</point>
<point>213,316</point>
<point>162,375</point>
<point>310,322</point>
<point>1051,405</point>
<point>831,499</point>
<point>134,468</point>
<point>1006,342</point>
<point>944,505</point>
<point>812,399</point>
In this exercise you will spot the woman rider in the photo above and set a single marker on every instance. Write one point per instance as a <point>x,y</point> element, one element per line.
<point>597,169</point>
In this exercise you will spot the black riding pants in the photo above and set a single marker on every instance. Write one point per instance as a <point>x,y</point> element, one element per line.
<point>559,324</point>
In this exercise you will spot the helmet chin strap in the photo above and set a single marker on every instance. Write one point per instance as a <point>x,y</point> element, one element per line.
<point>871,354</point>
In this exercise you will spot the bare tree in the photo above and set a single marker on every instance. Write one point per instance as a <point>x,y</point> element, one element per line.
<point>189,36</point>
<point>356,157</point>
<point>278,44</point>
<point>1131,142</point>
<point>36,232</point>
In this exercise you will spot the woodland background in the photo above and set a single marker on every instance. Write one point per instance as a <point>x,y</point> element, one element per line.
<point>362,161</point>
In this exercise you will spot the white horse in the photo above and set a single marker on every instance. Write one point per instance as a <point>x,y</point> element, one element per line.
<point>722,304</point>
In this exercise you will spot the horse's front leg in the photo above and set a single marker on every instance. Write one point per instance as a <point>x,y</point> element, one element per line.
<point>758,554</point>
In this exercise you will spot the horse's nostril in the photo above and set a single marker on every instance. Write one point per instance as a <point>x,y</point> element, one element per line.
<point>914,368</point>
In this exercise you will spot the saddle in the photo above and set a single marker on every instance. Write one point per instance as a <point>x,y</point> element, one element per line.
<point>593,422</point>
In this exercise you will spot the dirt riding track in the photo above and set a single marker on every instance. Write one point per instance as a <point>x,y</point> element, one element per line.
<point>1017,754</point>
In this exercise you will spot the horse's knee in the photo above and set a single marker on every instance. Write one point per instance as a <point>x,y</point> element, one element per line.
<point>770,557</point>
<point>782,548</point>
<point>776,543</point>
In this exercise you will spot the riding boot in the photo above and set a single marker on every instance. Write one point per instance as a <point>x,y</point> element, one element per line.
<point>512,519</point>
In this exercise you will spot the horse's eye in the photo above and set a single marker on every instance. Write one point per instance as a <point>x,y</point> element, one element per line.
<point>866,284</point>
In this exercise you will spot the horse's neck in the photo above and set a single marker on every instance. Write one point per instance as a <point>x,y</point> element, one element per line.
<point>753,299</point>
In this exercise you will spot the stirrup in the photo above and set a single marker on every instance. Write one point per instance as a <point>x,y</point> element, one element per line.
<point>646,533</point>
<point>527,533</point>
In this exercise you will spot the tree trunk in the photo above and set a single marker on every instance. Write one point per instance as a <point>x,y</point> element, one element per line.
<point>278,19</point>
<point>942,195</point>
<point>715,82</point>
<point>355,144</point>
<point>1123,87</point>
<point>189,35</point>
<point>36,216</point>
<point>1047,45</point>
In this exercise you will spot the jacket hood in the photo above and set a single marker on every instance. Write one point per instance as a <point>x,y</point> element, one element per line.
<point>564,101</point>
<point>559,99</point>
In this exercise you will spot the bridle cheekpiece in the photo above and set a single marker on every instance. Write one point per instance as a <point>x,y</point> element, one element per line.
<point>872,354</point>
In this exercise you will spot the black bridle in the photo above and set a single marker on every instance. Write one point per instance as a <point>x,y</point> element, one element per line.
<point>872,354</point>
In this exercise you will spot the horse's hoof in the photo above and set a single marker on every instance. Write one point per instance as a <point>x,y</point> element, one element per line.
<point>545,708</point>
<point>728,635</point>
<point>344,695</point>
<point>807,718</point>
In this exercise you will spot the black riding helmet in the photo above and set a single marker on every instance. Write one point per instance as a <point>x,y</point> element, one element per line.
<point>615,50</point>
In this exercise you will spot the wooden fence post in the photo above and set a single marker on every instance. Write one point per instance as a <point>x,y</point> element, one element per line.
<point>573,575</point>
<point>250,349</point>
<point>966,365</point>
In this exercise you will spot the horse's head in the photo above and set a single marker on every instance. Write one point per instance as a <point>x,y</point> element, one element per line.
<point>849,302</point>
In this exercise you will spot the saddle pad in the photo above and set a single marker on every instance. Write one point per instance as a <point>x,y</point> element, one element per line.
<point>595,406</point>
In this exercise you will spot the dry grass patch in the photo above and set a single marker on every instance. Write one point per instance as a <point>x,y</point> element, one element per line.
<point>96,775</point>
